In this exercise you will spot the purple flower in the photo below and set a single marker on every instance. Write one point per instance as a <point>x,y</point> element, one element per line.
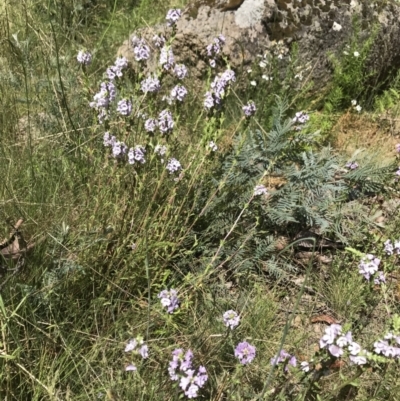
<point>388,247</point>
<point>131,346</point>
<point>380,346</point>
<point>260,190</point>
<point>245,352</point>
<point>108,140</point>
<point>335,350</point>
<point>213,63</point>
<point>150,124</point>
<point>119,149</point>
<point>330,335</point>
<point>167,59</point>
<point>281,357</point>
<point>130,368</point>
<point>284,357</point>
<point>180,368</point>
<point>106,95</point>
<point>150,84</point>
<point>209,100</point>
<point>124,107</point>
<point>180,71</point>
<point>84,57</point>
<point>178,92</point>
<point>249,109</point>
<point>380,278</point>
<point>137,155</point>
<point>231,319</point>
<point>347,339</point>
<point>140,49</point>
<point>116,69</point>
<point>173,15</point>
<point>169,299</point>
<point>173,165</point>
<point>354,348</point>
<point>160,150</point>
<point>397,146</point>
<point>215,47</point>
<point>358,360</point>
<point>165,121</point>
<point>159,40</point>
<point>301,117</point>
<point>352,165</point>
<point>144,351</point>
<point>368,265</point>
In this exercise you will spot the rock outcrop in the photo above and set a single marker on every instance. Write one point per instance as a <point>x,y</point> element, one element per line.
<point>319,27</point>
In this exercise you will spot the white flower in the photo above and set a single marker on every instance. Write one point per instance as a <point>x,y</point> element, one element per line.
<point>253,83</point>
<point>213,146</point>
<point>336,27</point>
<point>262,64</point>
<point>249,71</point>
<point>305,366</point>
<point>356,54</point>
<point>353,102</point>
<point>346,53</point>
<point>354,348</point>
<point>358,108</point>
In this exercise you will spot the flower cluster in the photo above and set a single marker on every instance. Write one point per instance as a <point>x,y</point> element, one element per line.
<point>301,117</point>
<point>260,190</point>
<point>245,352</point>
<point>119,148</point>
<point>160,150</point>
<point>137,154</point>
<point>150,84</point>
<point>213,146</point>
<point>218,86</point>
<point>390,248</point>
<point>173,165</point>
<point>231,319</point>
<point>352,165</point>
<point>172,16</point>
<point>178,92</point>
<point>103,98</point>
<point>84,57</point>
<point>181,368</point>
<point>165,122</point>
<point>368,266</point>
<point>169,299</point>
<point>150,124</point>
<point>389,346</point>
<point>159,40</point>
<point>124,107</point>
<point>214,49</point>
<point>284,358</point>
<point>335,341</point>
<point>180,71</point>
<point>356,106</point>
<point>140,49</point>
<point>249,109</point>
<point>167,59</point>
<point>116,70</point>
<point>137,346</point>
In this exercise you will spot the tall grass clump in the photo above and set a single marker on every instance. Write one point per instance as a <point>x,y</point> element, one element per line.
<point>181,227</point>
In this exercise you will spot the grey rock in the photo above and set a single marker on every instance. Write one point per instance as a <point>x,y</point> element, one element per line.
<point>258,25</point>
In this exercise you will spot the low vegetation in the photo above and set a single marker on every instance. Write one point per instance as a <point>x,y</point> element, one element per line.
<point>235,241</point>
